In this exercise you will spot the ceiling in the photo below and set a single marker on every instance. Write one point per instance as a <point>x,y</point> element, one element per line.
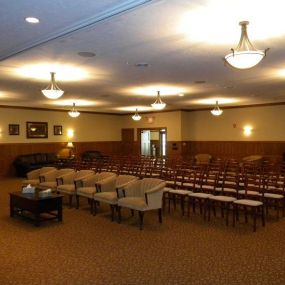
<point>140,47</point>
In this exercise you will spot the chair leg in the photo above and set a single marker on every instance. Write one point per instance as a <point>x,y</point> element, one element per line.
<point>112,212</point>
<point>160,216</point>
<point>254,218</point>
<point>119,214</point>
<point>132,212</point>
<point>141,214</point>
<point>94,207</point>
<point>91,206</point>
<point>227,214</point>
<point>245,214</point>
<point>262,216</point>
<point>234,214</point>
<point>77,201</point>
<point>70,201</point>
<point>182,200</point>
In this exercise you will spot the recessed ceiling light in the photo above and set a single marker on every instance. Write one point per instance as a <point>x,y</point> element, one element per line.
<point>181,94</point>
<point>141,64</point>
<point>86,54</point>
<point>32,20</point>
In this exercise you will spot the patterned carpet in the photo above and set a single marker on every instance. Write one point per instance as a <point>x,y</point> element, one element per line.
<point>93,250</point>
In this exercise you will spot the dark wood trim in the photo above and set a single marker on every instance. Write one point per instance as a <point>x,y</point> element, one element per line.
<point>236,107</point>
<point>143,113</point>
<point>57,110</point>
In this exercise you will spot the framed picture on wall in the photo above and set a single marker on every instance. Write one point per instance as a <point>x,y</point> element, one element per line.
<point>57,130</point>
<point>37,130</point>
<point>14,129</point>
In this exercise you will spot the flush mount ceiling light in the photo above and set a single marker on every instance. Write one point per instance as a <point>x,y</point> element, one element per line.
<point>158,104</point>
<point>245,55</point>
<point>32,20</point>
<point>52,91</point>
<point>217,111</point>
<point>136,116</point>
<point>73,113</point>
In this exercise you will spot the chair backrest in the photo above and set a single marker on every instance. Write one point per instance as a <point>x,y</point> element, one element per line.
<point>63,171</point>
<point>46,169</point>
<point>103,175</point>
<point>123,180</point>
<point>82,173</point>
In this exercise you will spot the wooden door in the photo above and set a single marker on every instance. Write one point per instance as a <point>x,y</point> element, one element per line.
<point>128,136</point>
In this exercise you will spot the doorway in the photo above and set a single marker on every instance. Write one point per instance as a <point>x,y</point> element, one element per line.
<point>152,141</point>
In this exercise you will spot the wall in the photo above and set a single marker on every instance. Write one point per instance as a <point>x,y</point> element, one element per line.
<point>91,132</point>
<point>87,127</point>
<point>268,124</point>
<point>223,136</point>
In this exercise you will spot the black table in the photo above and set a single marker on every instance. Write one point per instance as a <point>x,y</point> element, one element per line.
<point>24,204</point>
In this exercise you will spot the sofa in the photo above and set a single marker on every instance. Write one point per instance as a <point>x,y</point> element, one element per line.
<point>89,155</point>
<point>28,162</point>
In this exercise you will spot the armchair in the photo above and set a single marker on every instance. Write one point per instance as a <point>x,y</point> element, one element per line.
<point>86,187</point>
<point>33,177</point>
<point>66,184</point>
<point>143,195</point>
<point>49,180</point>
<point>110,189</point>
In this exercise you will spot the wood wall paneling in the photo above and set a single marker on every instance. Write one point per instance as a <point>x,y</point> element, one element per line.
<point>8,152</point>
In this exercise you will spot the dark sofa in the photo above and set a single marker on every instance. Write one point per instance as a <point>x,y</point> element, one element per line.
<point>89,155</point>
<point>27,162</point>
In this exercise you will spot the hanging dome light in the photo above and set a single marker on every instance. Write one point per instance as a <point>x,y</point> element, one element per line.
<point>73,113</point>
<point>158,104</point>
<point>52,91</point>
<point>136,116</point>
<point>217,111</point>
<point>245,55</point>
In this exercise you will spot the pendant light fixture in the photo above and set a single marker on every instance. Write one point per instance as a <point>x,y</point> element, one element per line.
<point>136,116</point>
<point>158,104</point>
<point>245,55</point>
<point>52,91</point>
<point>217,111</point>
<point>73,113</point>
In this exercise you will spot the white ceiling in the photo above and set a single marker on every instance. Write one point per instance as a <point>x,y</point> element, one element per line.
<point>182,41</point>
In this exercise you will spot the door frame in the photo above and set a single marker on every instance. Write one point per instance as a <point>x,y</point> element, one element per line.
<point>139,130</point>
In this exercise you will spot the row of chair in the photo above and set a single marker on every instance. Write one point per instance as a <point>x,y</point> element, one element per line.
<point>118,191</point>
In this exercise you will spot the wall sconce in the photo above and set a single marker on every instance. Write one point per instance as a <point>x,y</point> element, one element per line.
<point>247,130</point>
<point>150,120</point>
<point>70,133</point>
<point>70,146</point>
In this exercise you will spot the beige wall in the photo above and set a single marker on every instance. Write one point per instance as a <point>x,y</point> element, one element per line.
<point>169,120</point>
<point>268,124</point>
<point>87,127</point>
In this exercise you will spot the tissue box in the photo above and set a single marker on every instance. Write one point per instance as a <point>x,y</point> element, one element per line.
<point>45,193</point>
<point>28,190</point>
